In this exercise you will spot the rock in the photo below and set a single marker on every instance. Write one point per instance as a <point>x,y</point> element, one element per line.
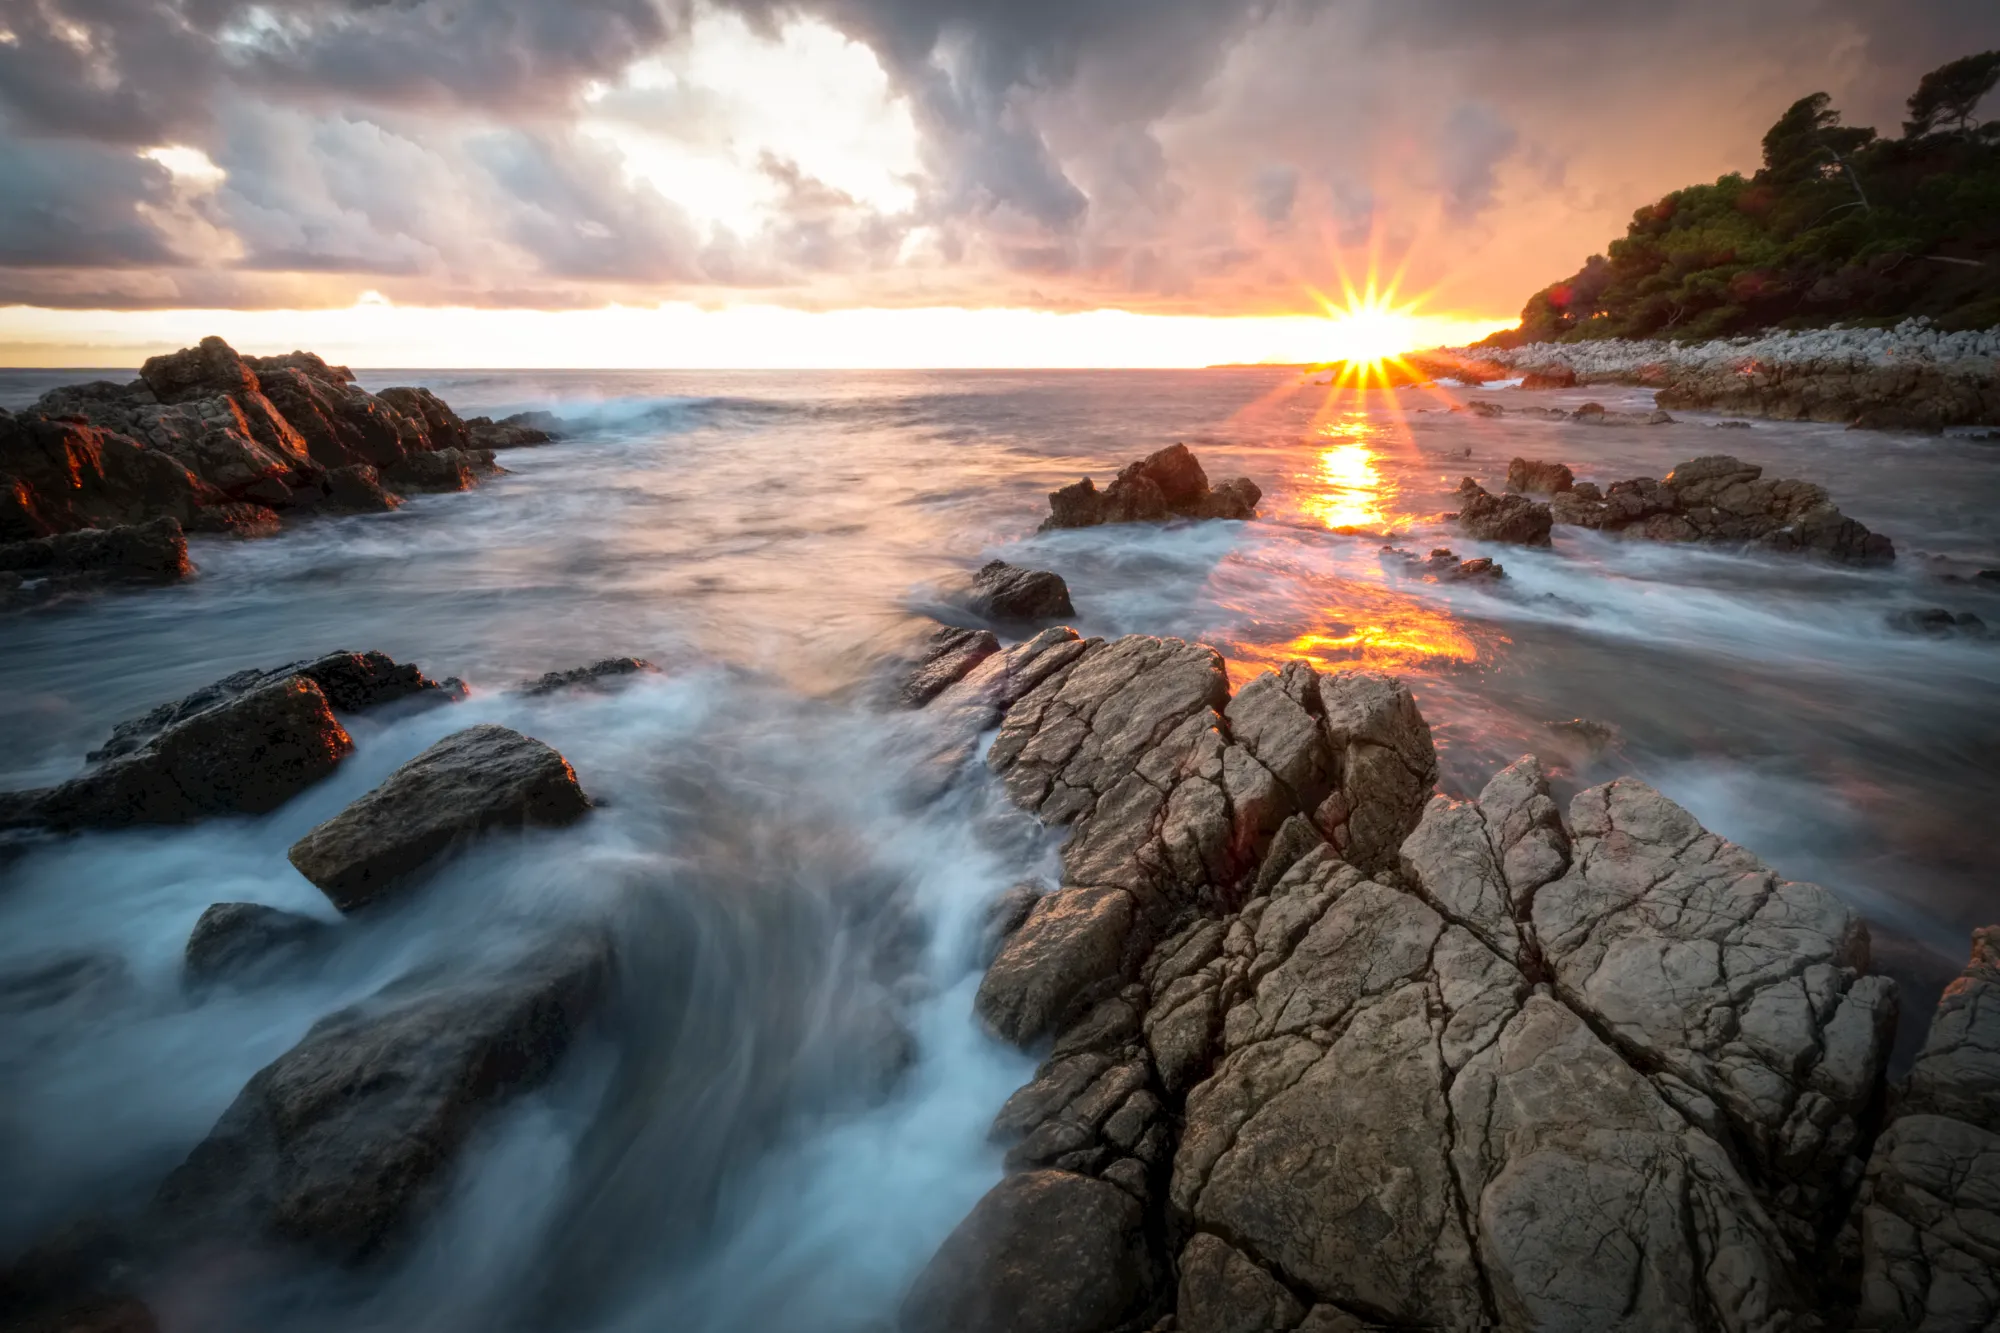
<point>1443,566</point>
<point>1004,592</point>
<point>439,470</point>
<point>521,430</point>
<point>441,427</point>
<point>246,755</point>
<point>1071,945</point>
<point>1168,484</point>
<point>57,476</point>
<point>1936,622</point>
<point>949,655</point>
<point>358,487</point>
<point>309,364</point>
<point>1223,1292</point>
<point>1004,916</point>
<point>67,988</point>
<point>482,778</point>
<point>352,682</point>
<point>1555,376</point>
<point>246,943</point>
<point>1533,475</point>
<point>344,1142</point>
<point>1043,1252</point>
<point>1490,411</point>
<point>599,676</point>
<point>153,552</point>
<point>1502,518</point>
<point>1929,1210</point>
<point>203,371</point>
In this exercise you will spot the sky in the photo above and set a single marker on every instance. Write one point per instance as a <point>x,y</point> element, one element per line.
<point>868,182</point>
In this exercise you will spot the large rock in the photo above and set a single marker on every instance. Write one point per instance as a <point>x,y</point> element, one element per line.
<point>949,654</point>
<point>246,943</point>
<point>1524,474</point>
<point>1043,1252</point>
<point>1502,518</point>
<point>521,430</point>
<point>248,754</point>
<point>1004,592</point>
<point>344,1142</point>
<point>1168,484</point>
<point>1910,394</point>
<point>484,777</point>
<point>1553,376</point>
<point>58,476</point>
<point>202,371</point>
<point>152,552</point>
<point>1929,1212</point>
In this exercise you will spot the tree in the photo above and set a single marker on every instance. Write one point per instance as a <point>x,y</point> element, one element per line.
<point>1948,96</point>
<point>1809,142</point>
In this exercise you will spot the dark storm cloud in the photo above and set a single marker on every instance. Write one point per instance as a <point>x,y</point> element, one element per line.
<point>79,206</point>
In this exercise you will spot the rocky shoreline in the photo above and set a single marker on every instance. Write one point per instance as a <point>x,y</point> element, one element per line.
<point>1911,377</point>
<point>99,482</point>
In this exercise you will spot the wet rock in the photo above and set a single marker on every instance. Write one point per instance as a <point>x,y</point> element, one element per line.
<point>482,778</point>
<point>949,654</point>
<point>1168,484</point>
<point>1004,592</point>
<point>248,943</point>
<point>152,552</point>
<point>441,427</point>
<point>344,1142</point>
<point>1935,622</point>
<point>521,430</point>
<point>69,987</point>
<point>246,755</point>
<point>1525,474</point>
<point>1555,376</point>
<point>352,682</point>
<point>439,470</point>
<point>358,487</point>
<point>599,677</point>
<point>1502,518</point>
<point>58,476</point>
<point>1004,916</point>
<point>1477,408</point>
<point>1043,1252</point>
<point>1929,1209</point>
<point>1071,945</point>
<point>1443,566</point>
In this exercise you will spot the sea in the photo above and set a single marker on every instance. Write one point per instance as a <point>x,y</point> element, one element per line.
<point>732,1155</point>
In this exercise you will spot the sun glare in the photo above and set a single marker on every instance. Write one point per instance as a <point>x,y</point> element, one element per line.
<point>1371,328</point>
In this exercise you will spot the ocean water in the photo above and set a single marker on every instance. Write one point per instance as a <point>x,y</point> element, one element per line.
<point>734,1150</point>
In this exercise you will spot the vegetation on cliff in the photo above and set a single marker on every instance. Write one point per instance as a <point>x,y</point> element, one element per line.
<point>1840,225</point>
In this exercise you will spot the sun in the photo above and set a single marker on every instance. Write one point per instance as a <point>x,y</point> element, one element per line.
<point>1371,327</point>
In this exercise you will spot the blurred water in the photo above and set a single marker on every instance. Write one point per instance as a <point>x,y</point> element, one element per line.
<point>731,1152</point>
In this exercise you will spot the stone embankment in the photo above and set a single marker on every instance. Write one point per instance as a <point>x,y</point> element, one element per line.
<point>99,481</point>
<point>1327,1051</point>
<point>1911,377</point>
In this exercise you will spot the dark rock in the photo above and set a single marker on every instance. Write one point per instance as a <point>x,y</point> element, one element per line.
<point>1004,916</point>
<point>599,676</point>
<point>1556,376</point>
<point>439,470</point>
<point>247,755</point>
<point>203,371</point>
<point>345,1141</point>
<point>152,552</point>
<point>1043,1252</point>
<point>518,431</point>
<point>1168,484</point>
<point>59,476</point>
<point>351,682</point>
<point>441,426</point>
<point>1938,623</point>
<point>1502,518</point>
<point>1903,395</point>
<point>246,943</point>
<point>358,487</point>
<point>949,655</point>
<point>1478,408</point>
<point>482,778</point>
<point>1544,478</point>
<point>309,364</point>
<point>1005,592</point>
<point>1443,566</point>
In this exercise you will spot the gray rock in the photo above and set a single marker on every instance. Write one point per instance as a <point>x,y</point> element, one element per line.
<point>1043,1252</point>
<point>599,676</point>
<point>1004,592</point>
<point>248,943</point>
<point>949,654</point>
<point>344,1142</point>
<point>1502,518</point>
<point>482,778</point>
<point>1072,943</point>
<point>1533,475</point>
<point>1223,1292</point>
<point>1167,484</point>
<point>151,552</point>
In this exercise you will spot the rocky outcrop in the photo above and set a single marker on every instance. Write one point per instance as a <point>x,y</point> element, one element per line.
<point>948,655</point>
<point>1906,396</point>
<point>599,677</point>
<point>1724,500</point>
<point>344,1142</point>
<point>1552,376</point>
<point>485,777</point>
<point>139,553</point>
<point>1928,1219</point>
<point>1009,593</point>
<point>1501,518</point>
<point>1168,484</point>
<point>1525,475</point>
<point>246,943</point>
<point>521,430</point>
<point>1363,1056</point>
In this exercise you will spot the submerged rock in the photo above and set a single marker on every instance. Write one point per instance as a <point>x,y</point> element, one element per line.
<point>1168,484</point>
<point>152,552</point>
<point>1502,518</point>
<point>1443,566</point>
<point>1004,592</point>
<point>1938,622</point>
<point>599,676</point>
<point>521,430</point>
<point>247,943</point>
<point>482,778</point>
<point>344,1142</point>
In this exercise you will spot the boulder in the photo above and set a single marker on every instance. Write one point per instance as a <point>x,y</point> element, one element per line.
<point>949,654</point>
<point>58,476</point>
<point>1043,1252</point>
<point>151,552</point>
<point>1004,592</point>
<point>1934,622</point>
<point>599,677</point>
<point>442,428</point>
<point>439,470</point>
<point>1442,566</point>
<point>521,430</point>
<point>1502,518</point>
<point>248,754</point>
<point>211,368</point>
<point>482,778</point>
<point>1072,943</point>
<point>247,943</point>
<point>1167,484</point>
<point>1553,376</point>
<point>358,487</point>
<point>344,1142</point>
<point>1525,474</point>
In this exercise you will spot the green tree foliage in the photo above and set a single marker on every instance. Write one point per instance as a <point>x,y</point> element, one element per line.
<point>1839,225</point>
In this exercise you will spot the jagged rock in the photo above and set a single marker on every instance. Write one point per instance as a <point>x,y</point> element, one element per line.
<point>1005,592</point>
<point>599,676</point>
<point>246,755</point>
<point>1502,518</point>
<point>1004,916</point>
<point>1443,566</point>
<point>518,431</point>
<point>1043,1252</point>
<point>441,427</point>
<point>351,682</point>
<point>359,487</point>
<point>211,368</point>
<point>1533,475</point>
<point>948,655</point>
<point>345,1141</point>
<point>440,470</point>
<point>309,364</point>
<point>153,552</point>
<point>1072,943</point>
<point>57,476</point>
<point>245,943</point>
<point>1556,376</point>
<point>1168,484</point>
<point>1929,1211</point>
<point>482,778</point>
